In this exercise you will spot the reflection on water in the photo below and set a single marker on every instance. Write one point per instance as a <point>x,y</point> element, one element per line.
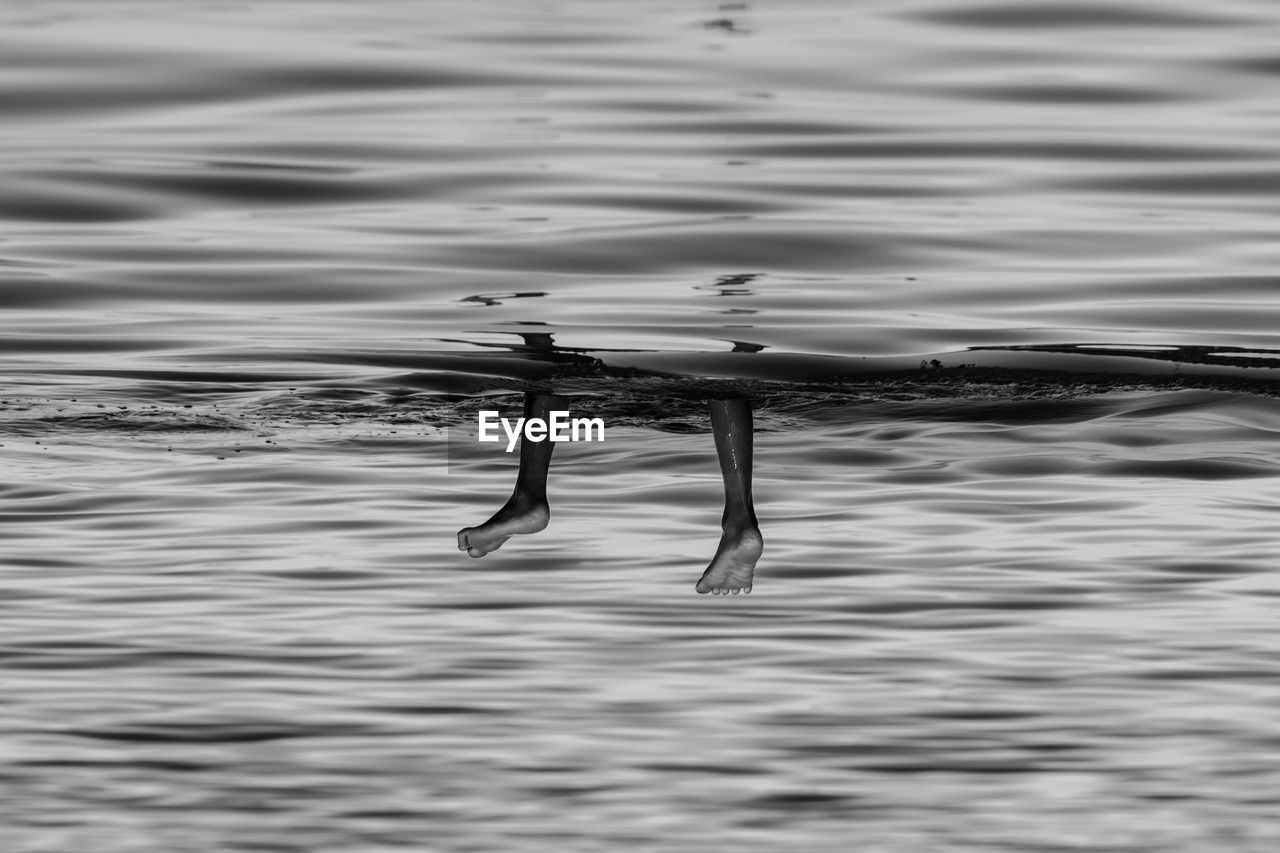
<point>887,181</point>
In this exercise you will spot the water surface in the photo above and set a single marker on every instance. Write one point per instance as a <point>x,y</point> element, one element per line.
<point>1000,278</point>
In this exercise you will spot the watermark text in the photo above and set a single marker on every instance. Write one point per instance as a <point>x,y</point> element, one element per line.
<point>559,428</point>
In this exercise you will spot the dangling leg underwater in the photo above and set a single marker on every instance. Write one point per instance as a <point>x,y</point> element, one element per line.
<point>527,510</point>
<point>732,569</point>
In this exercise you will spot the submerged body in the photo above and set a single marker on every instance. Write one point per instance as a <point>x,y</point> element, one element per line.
<point>732,569</point>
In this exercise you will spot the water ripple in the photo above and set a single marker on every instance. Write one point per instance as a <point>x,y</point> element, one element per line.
<point>997,276</point>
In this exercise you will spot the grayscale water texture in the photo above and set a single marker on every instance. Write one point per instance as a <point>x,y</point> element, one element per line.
<point>1000,275</point>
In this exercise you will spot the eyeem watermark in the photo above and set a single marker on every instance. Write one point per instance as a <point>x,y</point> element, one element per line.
<point>560,428</point>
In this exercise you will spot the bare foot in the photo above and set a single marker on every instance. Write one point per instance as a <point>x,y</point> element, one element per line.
<point>517,516</point>
<point>734,565</point>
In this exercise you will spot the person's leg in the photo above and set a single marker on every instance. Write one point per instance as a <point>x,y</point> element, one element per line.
<point>527,510</point>
<point>733,567</point>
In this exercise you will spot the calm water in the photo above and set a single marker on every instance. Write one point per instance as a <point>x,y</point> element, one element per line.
<point>1000,277</point>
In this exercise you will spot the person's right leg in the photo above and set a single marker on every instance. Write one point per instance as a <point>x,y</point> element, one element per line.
<point>732,570</point>
<point>527,510</point>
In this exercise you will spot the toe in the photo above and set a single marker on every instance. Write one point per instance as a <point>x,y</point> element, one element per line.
<point>463,544</point>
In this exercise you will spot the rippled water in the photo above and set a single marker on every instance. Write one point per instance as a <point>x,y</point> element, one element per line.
<point>999,277</point>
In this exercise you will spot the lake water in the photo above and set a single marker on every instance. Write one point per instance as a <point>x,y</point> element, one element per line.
<point>1000,278</point>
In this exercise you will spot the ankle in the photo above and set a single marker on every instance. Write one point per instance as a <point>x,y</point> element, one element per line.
<point>740,525</point>
<point>527,501</point>
<point>529,494</point>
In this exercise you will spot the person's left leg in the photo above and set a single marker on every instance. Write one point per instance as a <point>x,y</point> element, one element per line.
<point>732,569</point>
<point>527,510</point>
